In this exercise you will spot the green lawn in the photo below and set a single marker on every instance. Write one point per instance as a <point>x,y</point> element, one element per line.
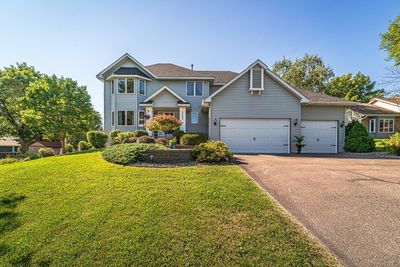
<point>80,210</point>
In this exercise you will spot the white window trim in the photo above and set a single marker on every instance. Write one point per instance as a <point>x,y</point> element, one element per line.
<point>138,87</point>
<point>194,89</point>
<point>379,129</point>
<point>369,125</point>
<point>126,86</point>
<point>191,117</point>
<point>139,119</point>
<point>126,118</point>
<point>251,80</point>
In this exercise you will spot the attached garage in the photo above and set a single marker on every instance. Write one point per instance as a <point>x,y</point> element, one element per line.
<point>320,136</point>
<point>256,135</point>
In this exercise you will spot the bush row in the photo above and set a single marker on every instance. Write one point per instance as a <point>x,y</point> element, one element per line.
<point>128,153</point>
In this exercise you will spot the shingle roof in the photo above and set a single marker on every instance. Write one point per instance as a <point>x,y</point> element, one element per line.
<point>394,99</point>
<point>130,71</point>
<point>8,142</point>
<point>368,109</point>
<point>52,144</point>
<point>322,98</point>
<point>172,70</point>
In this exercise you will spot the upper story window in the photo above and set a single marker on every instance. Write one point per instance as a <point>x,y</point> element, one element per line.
<point>126,86</point>
<point>112,87</point>
<point>256,79</point>
<point>142,87</point>
<point>194,88</point>
<point>386,125</point>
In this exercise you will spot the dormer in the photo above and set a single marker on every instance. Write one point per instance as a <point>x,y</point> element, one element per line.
<point>256,79</point>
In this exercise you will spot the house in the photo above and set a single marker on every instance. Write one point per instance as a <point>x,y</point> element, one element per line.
<point>9,145</point>
<point>381,117</point>
<point>254,111</point>
<point>54,145</point>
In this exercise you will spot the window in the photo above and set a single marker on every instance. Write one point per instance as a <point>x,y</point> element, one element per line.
<point>121,117</point>
<point>126,117</point>
<point>112,87</point>
<point>141,86</point>
<point>141,118</point>
<point>112,118</point>
<point>372,125</point>
<point>386,125</point>
<point>130,89</point>
<point>121,86</point>
<point>194,88</point>
<point>195,117</point>
<point>257,78</point>
<point>130,118</point>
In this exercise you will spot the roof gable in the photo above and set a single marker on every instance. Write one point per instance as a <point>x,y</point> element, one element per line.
<point>269,73</point>
<point>162,89</point>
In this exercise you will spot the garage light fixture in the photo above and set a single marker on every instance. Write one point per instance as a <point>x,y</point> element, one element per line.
<point>215,122</point>
<point>295,122</point>
<point>342,124</point>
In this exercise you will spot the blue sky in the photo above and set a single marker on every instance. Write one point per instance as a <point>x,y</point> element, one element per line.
<point>78,39</point>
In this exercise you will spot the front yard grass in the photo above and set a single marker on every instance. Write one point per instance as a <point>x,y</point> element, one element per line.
<point>80,210</point>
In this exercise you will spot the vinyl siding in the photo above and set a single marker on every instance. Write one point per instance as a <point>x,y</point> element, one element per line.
<point>235,101</point>
<point>107,106</point>
<point>327,113</point>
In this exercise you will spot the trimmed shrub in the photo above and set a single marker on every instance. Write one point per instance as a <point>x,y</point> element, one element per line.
<point>139,133</point>
<point>146,140</point>
<point>177,134</point>
<point>394,144</point>
<point>83,145</point>
<point>357,139</point>
<point>97,139</point>
<point>28,156</point>
<point>123,137</point>
<point>381,145</point>
<point>69,148</point>
<point>46,152</point>
<point>8,160</point>
<point>128,153</point>
<point>161,141</point>
<point>212,151</point>
<point>193,139</point>
<point>350,126</point>
<point>113,135</point>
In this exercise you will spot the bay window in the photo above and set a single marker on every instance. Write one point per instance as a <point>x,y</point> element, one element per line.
<point>141,118</point>
<point>126,86</point>
<point>141,86</point>
<point>126,117</point>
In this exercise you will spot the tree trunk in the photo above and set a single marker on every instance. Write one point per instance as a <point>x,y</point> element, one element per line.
<point>24,146</point>
<point>63,141</point>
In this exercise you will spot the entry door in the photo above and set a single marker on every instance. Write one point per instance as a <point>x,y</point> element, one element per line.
<point>256,135</point>
<point>319,136</point>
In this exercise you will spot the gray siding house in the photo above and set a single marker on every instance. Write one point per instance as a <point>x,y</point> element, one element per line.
<point>254,111</point>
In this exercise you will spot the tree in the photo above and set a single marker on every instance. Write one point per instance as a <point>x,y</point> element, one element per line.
<point>358,88</point>
<point>163,123</point>
<point>60,107</point>
<point>390,41</point>
<point>14,83</point>
<point>309,72</point>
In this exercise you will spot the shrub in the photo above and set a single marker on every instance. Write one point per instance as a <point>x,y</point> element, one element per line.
<point>394,144</point>
<point>146,140</point>
<point>28,156</point>
<point>124,137</point>
<point>350,126</point>
<point>212,151</point>
<point>97,139</point>
<point>83,145</point>
<point>357,139</point>
<point>128,153</point>
<point>193,139</point>
<point>139,133</point>
<point>177,134</point>
<point>46,152</point>
<point>161,141</point>
<point>8,160</point>
<point>69,148</point>
<point>381,145</point>
<point>113,135</point>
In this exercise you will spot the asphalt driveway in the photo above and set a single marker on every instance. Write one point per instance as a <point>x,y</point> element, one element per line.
<point>351,205</point>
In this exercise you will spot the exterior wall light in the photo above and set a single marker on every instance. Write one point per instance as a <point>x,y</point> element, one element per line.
<point>215,122</point>
<point>296,121</point>
<point>342,124</point>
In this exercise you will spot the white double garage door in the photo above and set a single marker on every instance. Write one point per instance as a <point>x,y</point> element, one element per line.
<point>273,135</point>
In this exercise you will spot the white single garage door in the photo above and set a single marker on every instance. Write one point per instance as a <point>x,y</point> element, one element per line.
<point>319,136</point>
<point>256,135</point>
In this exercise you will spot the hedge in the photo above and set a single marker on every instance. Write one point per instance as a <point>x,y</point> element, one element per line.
<point>193,138</point>
<point>128,153</point>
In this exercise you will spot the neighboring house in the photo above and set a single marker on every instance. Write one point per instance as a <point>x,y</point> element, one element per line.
<point>380,116</point>
<point>9,145</point>
<point>254,111</point>
<point>54,145</point>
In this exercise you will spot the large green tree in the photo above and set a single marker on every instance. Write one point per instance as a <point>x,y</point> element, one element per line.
<point>14,83</point>
<point>358,88</point>
<point>309,72</point>
<point>60,107</point>
<point>390,41</point>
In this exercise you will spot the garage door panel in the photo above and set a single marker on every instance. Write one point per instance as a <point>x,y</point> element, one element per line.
<point>319,136</point>
<point>256,135</point>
